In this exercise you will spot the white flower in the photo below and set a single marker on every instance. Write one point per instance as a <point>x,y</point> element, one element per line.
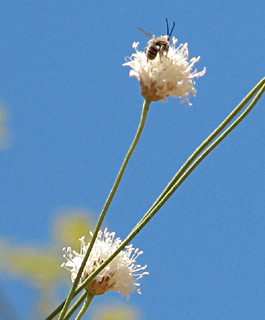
<point>166,75</point>
<point>120,274</point>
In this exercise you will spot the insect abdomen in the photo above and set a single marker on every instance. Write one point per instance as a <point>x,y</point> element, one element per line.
<point>151,52</point>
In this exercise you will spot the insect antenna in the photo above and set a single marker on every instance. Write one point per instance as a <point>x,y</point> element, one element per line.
<point>172,30</point>
<point>169,34</point>
<point>167,27</point>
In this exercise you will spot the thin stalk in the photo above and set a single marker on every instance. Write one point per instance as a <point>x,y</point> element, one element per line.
<point>75,306</point>
<point>90,297</point>
<point>153,210</point>
<point>181,175</point>
<point>107,204</point>
<point>56,311</point>
<point>208,140</point>
<point>158,204</point>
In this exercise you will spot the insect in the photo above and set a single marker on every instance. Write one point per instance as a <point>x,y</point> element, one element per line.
<point>157,44</point>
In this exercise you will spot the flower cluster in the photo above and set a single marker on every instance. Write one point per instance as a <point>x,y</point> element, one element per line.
<point>166,75</point>
<point>120,274</point>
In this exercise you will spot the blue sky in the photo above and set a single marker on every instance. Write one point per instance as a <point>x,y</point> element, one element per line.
<point>73,111</point>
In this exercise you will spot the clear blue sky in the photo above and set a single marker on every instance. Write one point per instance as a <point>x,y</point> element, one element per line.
<point>73,111</point>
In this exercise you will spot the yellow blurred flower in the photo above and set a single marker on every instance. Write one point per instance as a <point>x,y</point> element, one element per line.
<point>40,265</point>
<point>72,225</point>
<point>118,312</point>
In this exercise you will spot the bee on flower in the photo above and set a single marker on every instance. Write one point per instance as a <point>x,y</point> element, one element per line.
<point>157,44</point>
<point>167,75</point>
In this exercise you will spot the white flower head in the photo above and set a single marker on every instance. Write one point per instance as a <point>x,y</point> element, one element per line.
<point>120,274</point>
<point>167,75</point>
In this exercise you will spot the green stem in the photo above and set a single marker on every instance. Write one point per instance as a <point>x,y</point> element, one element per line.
<point>106,205</point>
<point>56,311</point>
<point>181,175</point>
<point>158,204</point>
<point>75,306</point>
<point>85,306</point>
<point>208,140</point>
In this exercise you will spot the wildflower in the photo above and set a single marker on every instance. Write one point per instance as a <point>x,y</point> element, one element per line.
<point>166,75</point>
<point>120,274</point>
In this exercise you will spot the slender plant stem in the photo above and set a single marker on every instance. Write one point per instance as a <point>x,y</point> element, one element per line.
<point>107,204</point>
<point>162,200</point>
<point>208,140</point>
<point>56,311</point>
<point>60,307</point>
<point>75,306</point>
<point>153,210</point>
<point>85,306</point>
<point>181,175</point>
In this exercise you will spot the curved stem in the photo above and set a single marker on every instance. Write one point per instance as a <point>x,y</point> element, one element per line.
<point>158,204</point>
<point>56,311</point>
<point>192,162</point>
<point>163,199</point>
<point>75,305</point>
<point>208,140</point>
<point>90,297</point>
<point>107,204</point>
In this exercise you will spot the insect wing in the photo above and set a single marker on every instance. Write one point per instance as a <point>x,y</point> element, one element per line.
<point>145,32</point>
